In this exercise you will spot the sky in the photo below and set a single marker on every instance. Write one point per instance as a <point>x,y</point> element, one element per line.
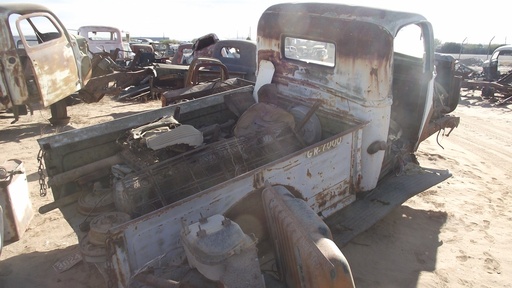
<point>453,21</point>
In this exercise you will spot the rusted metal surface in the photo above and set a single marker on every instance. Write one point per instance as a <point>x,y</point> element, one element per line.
<point>290,170</point>
<point>240,59</point>
<point>136,47</point>
<point>294,226</point>
<point>56,65</point>
<point>492,80</point>
<point>55,70</point>
<point>201,90</point>
<point>361,77</point>
<point>106,39</point>
<point>203,46</point>
<point>10,64</point>
<point>101,224</point>
<point>373,100</point>
<point>209,63</point>
<point>447,122</point>
<point>239,56</point>
<point>112,84</point>
<point>184,51</point>
<point>362,82</point>
<point>500,89</point>
<point>353,71</point>
<point>43,71</point>
<point>49,63</point>
<point>290,16</point>
<point>15,200</point>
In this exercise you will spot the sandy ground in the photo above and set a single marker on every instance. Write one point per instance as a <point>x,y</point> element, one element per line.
<point>456,234</point>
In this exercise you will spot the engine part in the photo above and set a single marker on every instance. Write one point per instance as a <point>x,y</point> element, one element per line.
<point>100,225</point>
<point>220,250</point>
<point>183,134</point>
<point>100,200</point>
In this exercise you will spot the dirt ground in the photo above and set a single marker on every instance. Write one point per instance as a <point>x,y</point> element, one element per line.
<point>456,234</point>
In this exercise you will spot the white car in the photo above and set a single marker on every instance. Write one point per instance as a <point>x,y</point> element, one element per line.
<point>319,52</point>
<point>291,52</point>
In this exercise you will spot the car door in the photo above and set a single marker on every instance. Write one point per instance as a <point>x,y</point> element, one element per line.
<point>50,59</point>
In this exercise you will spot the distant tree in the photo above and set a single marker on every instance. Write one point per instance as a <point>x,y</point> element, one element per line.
<point>449,47</point>
<point>437,43</point>
<point>456,48</point>
<point>171,41</point>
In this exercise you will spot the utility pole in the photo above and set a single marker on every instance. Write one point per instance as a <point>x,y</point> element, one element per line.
<point>462,45</point>
<point>489,48</point>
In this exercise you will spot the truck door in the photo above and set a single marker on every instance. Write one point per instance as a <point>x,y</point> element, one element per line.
<point>49,57</point>
<point>413,82</point>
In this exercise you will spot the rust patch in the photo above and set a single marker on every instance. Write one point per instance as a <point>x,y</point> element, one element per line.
<point>351,35</point>
<point>324,199</point>
<point>258,180</point>
<point>5,101</point>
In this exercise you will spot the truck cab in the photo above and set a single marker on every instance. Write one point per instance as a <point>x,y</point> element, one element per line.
<point>107,39</point>
<point>40,62</point>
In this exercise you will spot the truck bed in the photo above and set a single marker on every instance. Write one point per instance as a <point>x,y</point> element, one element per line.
<point>223,176</point>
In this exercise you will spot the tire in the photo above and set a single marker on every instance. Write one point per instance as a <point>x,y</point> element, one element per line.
<point>312,130</point>
<point>487,92</point>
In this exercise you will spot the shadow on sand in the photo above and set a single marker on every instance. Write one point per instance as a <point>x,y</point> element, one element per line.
<point>25,270</point>
<point>473,98</point>
<point>400,246</point>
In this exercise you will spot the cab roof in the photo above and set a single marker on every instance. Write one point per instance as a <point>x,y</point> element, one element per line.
<point>390,20</point>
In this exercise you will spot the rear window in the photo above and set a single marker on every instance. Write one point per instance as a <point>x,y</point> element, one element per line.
<point>230,52</point>
<point>310,51</point>
<point>102,36</point>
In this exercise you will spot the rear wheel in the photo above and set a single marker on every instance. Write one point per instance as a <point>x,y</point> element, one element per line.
<point>487,92</point>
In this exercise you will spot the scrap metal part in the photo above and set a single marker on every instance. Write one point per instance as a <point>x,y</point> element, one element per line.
<point>112,84</point>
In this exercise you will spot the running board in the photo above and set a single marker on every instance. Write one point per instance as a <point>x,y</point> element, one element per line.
<point>376,204</point>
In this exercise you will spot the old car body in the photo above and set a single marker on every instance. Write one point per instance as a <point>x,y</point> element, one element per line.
<point>107,39</point>
<point>491,66</point>
<point>239,56</point>
<point>183,54</point>
<point>330,142</point>
<point>41,63</point>
<point>496,76</point>
<point>44,71</point>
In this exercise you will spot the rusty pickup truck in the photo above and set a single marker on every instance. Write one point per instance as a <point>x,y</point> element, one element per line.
<point>262,185</point>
